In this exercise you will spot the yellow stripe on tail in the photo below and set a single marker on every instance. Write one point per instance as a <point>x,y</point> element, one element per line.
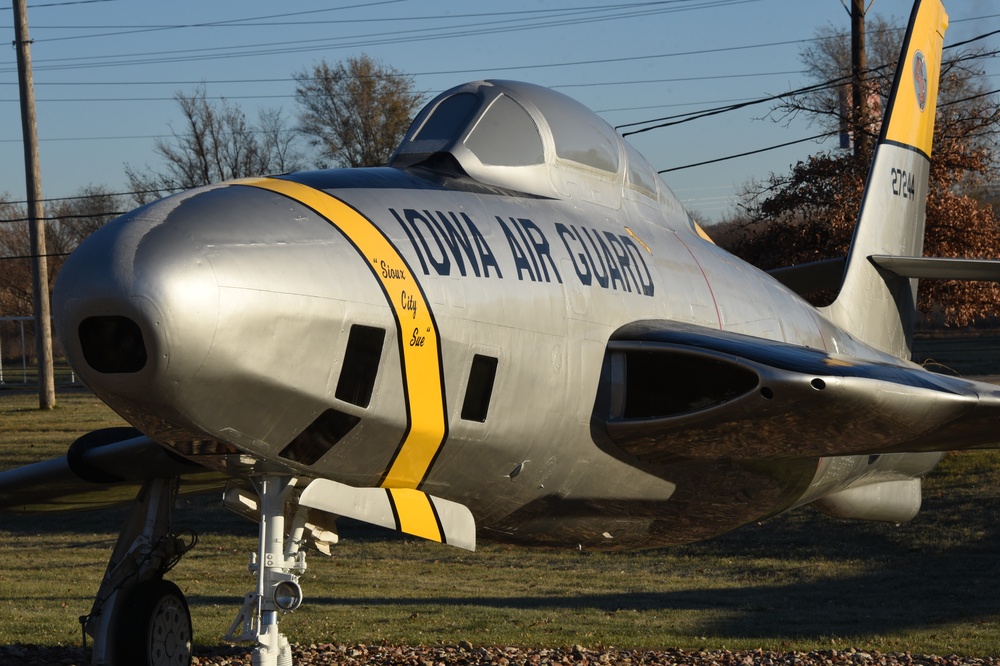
<point>911,120</point>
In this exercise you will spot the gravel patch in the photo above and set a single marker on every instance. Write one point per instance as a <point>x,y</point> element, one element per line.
<point>466,654</point>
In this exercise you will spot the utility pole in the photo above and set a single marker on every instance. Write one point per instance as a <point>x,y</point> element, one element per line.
<point>36,221</point>
<point>859,68</point>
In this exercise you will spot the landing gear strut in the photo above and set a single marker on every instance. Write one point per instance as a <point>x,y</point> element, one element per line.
<point>278,564</point>
<point>137,617</point>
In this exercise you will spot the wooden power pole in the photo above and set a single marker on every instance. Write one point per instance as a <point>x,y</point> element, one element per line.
<point>859,89</point>
<point>33,181</point>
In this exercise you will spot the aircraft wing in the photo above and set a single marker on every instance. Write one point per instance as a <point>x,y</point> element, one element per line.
<point>672,390</point>
<point>103,468</point>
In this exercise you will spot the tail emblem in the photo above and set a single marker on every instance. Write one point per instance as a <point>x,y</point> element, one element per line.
<point>920,78</point>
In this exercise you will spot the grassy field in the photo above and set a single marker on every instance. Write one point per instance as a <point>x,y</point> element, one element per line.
<point>799,581</point>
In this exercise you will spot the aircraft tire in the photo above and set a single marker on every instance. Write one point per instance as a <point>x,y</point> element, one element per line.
<point>153,627</point>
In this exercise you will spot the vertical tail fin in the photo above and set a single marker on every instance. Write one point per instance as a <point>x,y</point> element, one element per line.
<point>874,306</point>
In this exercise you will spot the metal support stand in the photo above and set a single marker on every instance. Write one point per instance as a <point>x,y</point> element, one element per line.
<point>278,563</point>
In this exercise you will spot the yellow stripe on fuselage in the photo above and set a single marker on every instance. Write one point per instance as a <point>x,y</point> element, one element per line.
<point>415,513</point>
<point>911,125</point>
<point>418,343</point>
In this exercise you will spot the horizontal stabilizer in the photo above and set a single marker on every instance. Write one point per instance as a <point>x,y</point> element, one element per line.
<point>828,274</point>
<point>403,509</point>
<point>804,279</point>
<point>101,469</point>
<point>938,268</point>
<point>674,390</point>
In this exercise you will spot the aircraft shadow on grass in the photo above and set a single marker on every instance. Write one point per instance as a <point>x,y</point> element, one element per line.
<point>904,579</point>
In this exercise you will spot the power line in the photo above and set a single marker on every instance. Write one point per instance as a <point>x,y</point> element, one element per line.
<point>477,70</point>
<point>508,68</point>
<point>689,117</point>
<point>669,121</point>
<point>60,218</point>
<point>131,30</point>
<point>812,138</point>
<point>80,197</point>
<point>266,21</point>
<point>676,79</point>
<point>672,106</point>
<point>134,59</point>
<point>96,138</point>
<point>47,255</point>
<point>390,37</point>
<point>289,79</point>
<point>637,9</point>
<point>81,100</point>
<point>974,39</point>
<point>62,4</point>
<point>750,152</point>
<point>592,84</point>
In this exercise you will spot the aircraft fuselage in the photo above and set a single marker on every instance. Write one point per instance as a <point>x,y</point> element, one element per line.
<point>480,319</point>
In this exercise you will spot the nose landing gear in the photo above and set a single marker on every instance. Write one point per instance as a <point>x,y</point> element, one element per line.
<point>278,563</point>
<point>138,618</point>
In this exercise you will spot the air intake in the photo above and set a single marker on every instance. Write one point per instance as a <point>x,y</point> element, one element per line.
<point>112,344</point>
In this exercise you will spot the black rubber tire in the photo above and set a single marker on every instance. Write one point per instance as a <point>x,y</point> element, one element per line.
<point>153,626</point>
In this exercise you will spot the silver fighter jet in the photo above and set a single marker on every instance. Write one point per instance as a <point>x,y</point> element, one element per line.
<point>513,332</point>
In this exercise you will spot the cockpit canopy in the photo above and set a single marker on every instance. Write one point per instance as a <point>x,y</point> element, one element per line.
<point>527,138</point>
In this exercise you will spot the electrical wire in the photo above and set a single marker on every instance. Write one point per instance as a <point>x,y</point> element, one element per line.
<point>266,21</point>
<point>824,135</point>
<point>35,256</point>
<point>670,120</point>
<point>60,4</point>
<point>359,41</point>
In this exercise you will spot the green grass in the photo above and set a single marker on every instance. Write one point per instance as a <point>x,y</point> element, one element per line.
<point>800,581</point>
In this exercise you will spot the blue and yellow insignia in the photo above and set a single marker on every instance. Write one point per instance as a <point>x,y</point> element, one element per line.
<point>920,78</point>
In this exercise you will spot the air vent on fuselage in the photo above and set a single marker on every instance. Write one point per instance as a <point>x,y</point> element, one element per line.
<point>361,363</point>
<point>480,389</point>
<point>321,436</point>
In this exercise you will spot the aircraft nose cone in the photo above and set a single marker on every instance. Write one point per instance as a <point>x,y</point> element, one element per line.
<point>128,292</point>
<point>214,314</point>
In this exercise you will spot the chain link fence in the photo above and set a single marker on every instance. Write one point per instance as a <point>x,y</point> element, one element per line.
<point>19,358</point>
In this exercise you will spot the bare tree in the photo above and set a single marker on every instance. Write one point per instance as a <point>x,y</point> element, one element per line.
<point>827,60</point>
<point>68,222</point>
<point>355,112</point>
<point>966,110</point>
<point>15,266</point>
<point>75,218</point>
<point>216,143</point>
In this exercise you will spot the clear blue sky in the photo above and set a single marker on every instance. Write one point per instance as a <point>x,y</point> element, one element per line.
<point>106,70</point>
